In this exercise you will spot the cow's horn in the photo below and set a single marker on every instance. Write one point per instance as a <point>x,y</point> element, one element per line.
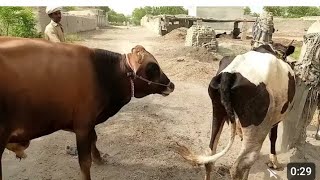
<point>290,43</point>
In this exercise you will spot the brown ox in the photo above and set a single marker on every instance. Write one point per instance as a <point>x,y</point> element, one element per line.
<point>46,87</point>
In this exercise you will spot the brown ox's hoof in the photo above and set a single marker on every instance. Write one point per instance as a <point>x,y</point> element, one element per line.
<point>101,159</point>
<point>21,155</point>
<point>72,151</point>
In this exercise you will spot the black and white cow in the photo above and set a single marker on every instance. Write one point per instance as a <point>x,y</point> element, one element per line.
<point>253,93</point>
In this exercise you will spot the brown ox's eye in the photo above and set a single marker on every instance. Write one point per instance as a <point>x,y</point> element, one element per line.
<point>152,71</point>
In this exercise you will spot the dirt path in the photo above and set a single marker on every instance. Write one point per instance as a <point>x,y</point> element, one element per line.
<point>139,137</point>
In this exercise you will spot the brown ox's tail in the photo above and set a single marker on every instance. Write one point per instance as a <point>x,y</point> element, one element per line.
<point>226,82</point>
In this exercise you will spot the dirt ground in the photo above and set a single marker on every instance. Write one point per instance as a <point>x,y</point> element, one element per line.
<point>138,139</point>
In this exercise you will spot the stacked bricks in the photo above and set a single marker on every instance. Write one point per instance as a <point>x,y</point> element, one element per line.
<point>202,36</point>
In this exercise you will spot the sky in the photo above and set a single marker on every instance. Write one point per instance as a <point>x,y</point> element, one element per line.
<point>127,10</point>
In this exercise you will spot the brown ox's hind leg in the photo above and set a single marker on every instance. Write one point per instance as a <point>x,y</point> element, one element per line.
<point>4,135</point>
<point>96,156</point>
<point>84,141</point>
<point>18,149</point>
<point>273,163</point>
<point>218,118</point>
<point>2,147</point>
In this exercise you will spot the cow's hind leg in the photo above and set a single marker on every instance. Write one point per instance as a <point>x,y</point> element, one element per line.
<point>317,136</point>
<point>218,118</point>
<point>251,145</point>
<point>216,132</point>
<point>273,163</point>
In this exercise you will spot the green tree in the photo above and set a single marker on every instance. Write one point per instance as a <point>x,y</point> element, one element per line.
<point>116,17</point>
<point>300,11</point>
<point>293,11</point>
<point>17,21</point>
<point>104,8</point>
<point>247,10</point>
<point>255,14</point>
<point>275,10</point>
<point>137,15</point>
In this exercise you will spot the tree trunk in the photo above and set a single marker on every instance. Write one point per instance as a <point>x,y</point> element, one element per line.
<point>299,117</point>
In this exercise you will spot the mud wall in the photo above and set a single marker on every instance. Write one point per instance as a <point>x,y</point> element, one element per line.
<point>152,23</point>
<point>72,23</point>
<point>294,27</point>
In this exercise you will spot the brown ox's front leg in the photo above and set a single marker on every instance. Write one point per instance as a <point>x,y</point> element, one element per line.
<point>84,141</point>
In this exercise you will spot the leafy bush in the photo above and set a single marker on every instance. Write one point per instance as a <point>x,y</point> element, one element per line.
<point>69,8</point>
<point>293,11</point>
<point>17,21</point>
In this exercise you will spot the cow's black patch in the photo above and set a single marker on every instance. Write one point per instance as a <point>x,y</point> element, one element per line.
<point>291,92</point>
<point>224,62</point>
<point>265,49</point>
<point>249,101</point>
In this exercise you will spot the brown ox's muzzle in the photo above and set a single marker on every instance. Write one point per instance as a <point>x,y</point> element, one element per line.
<point>168,90</point>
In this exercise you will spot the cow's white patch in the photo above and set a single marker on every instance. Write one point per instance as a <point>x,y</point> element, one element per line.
<point>260,67</point>
<point>264,67</point>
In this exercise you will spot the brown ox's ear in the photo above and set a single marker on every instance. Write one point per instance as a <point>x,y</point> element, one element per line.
<point>136,57</point>
<point>139,51</point>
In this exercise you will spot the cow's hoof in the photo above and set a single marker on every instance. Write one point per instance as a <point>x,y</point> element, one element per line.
<point>273,162</point>
<point>273,165</point>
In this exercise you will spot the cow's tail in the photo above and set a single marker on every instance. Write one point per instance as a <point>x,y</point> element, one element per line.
<point>226,82</point>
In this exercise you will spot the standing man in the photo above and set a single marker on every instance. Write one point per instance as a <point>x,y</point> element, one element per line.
<point>306,99</point>
<point>262,30</point>
<point>54,30</point>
